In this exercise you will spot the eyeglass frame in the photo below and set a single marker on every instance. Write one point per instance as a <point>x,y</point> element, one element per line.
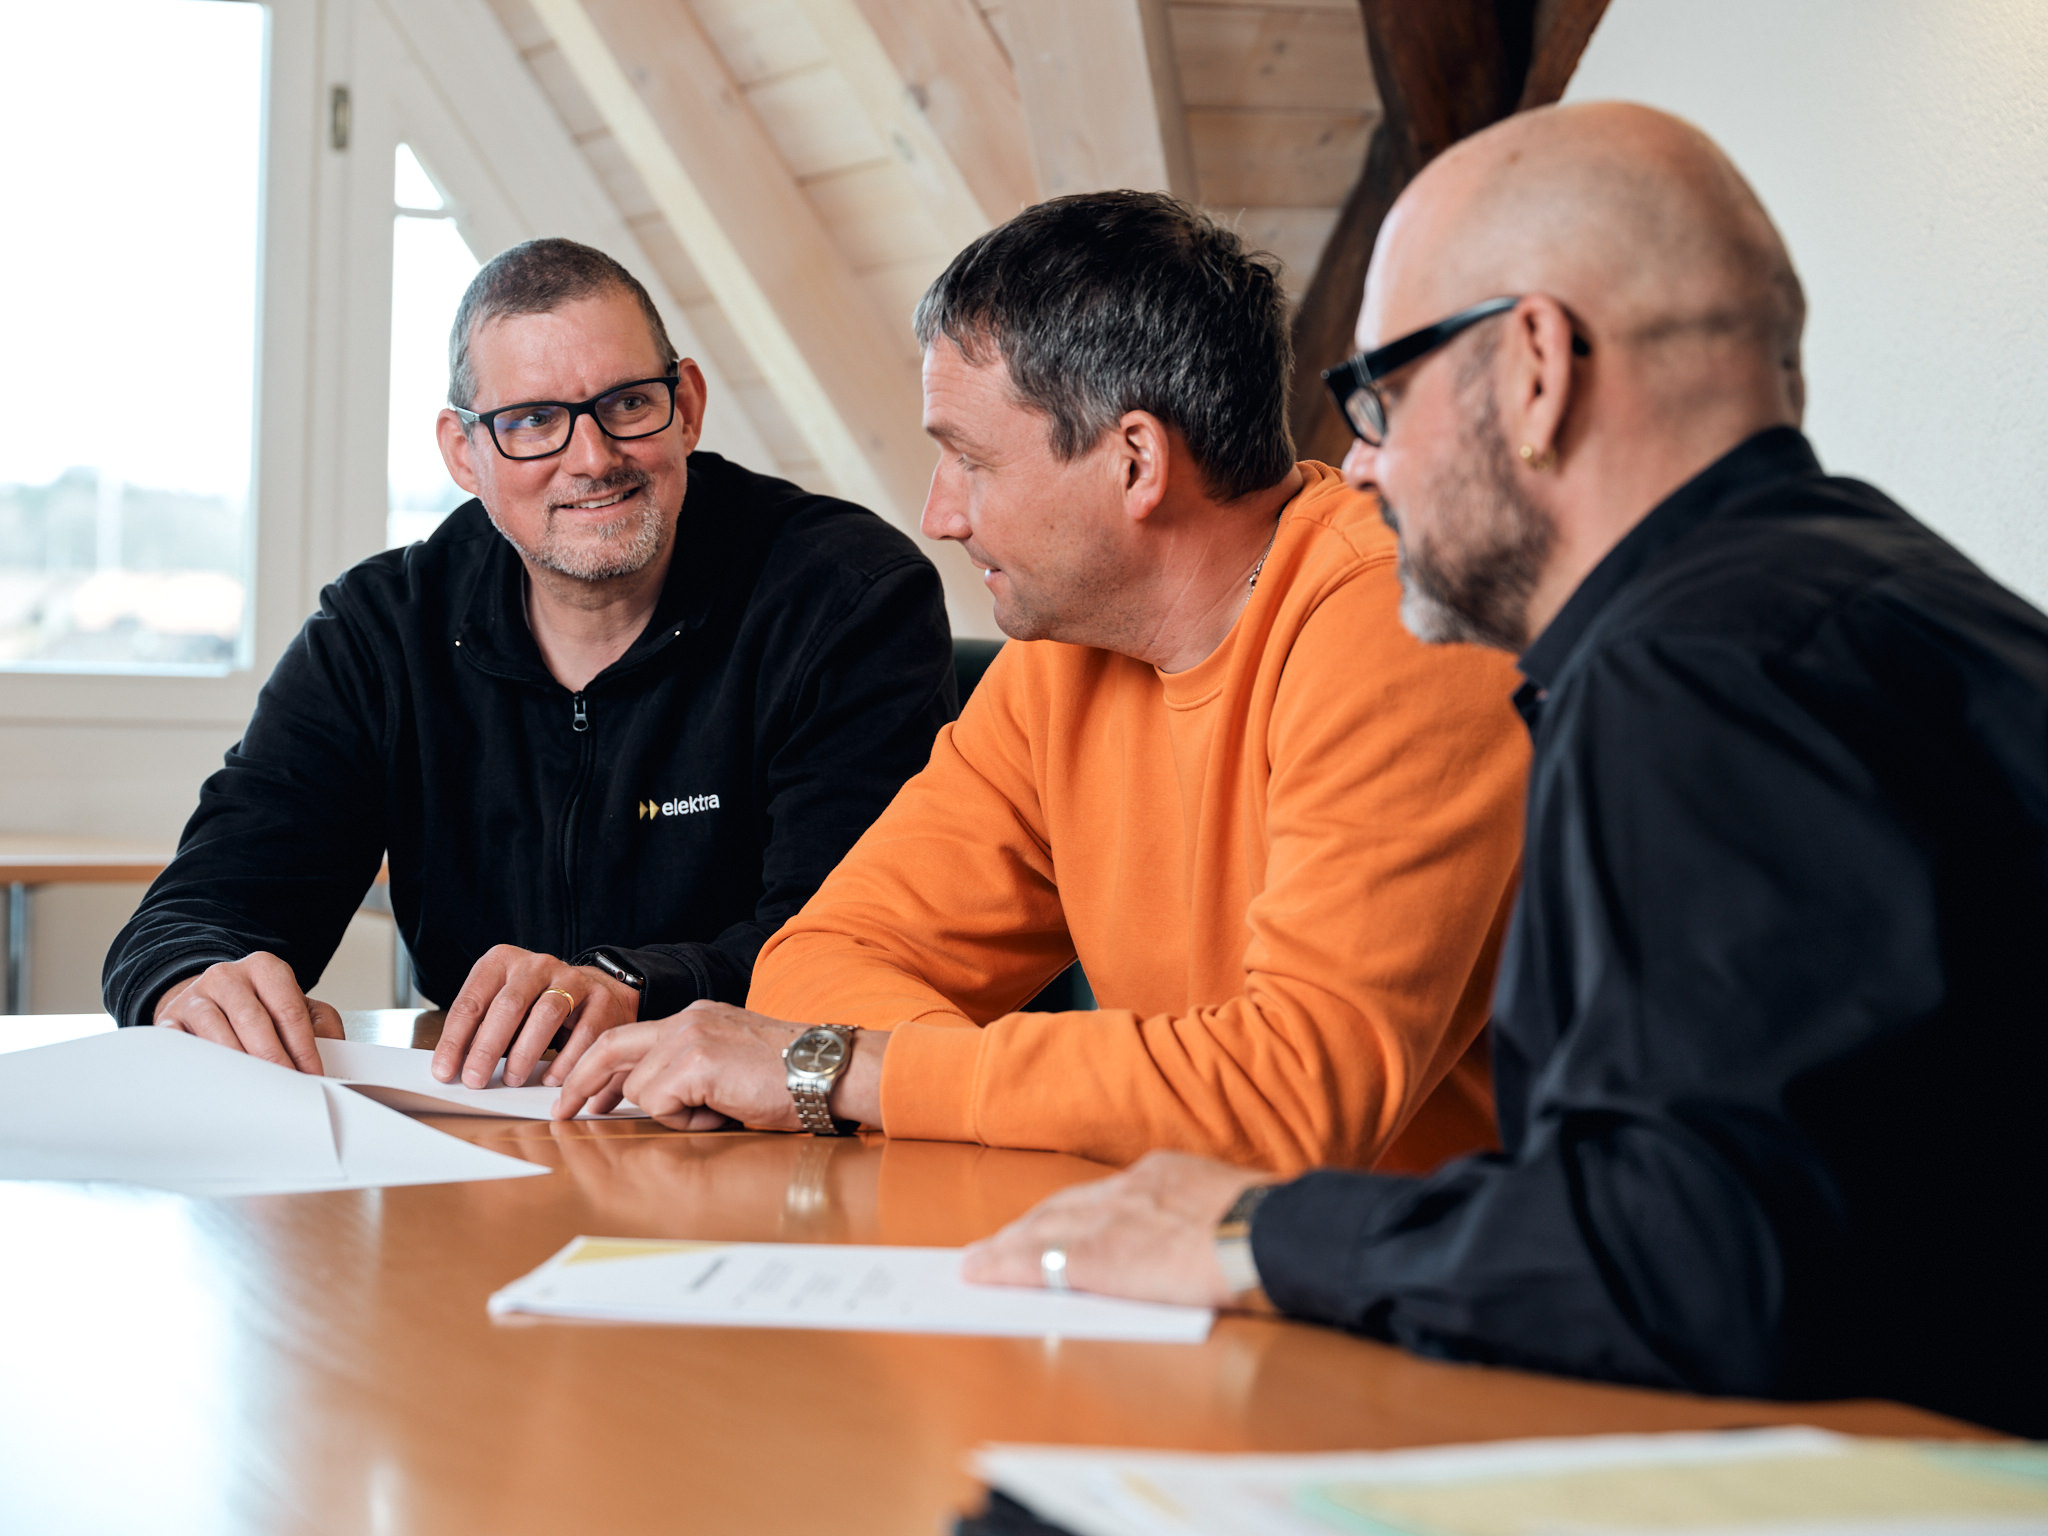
<point>586,408</point>
<point>1357,378</point>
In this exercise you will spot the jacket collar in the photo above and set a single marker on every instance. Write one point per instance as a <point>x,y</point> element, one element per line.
<point>493,631</point>
<point>1774,455</point>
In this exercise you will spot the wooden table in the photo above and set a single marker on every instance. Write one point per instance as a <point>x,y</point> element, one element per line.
<point>323,1363</point>
<point>28,861</point>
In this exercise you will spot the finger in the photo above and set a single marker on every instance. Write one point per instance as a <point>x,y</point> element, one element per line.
<point>615,1053</point>
<point>197,1015</point>
<point>698,1119</point>
<point>601,1097</point>
<point>255,1030</point>
<point>598,1015</point>
<point>485,980</point>
<point>326,1020</point>
<point>275,988</point>
<point>550,1011</point>
<point>494,1036</point>
<point>1011,1257</point>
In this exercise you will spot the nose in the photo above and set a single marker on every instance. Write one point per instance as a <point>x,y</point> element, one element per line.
<point>944,515</point>
<point>1361,465</point>
<point>590,454</point>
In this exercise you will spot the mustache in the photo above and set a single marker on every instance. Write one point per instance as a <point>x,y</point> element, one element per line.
<point>624,478</point>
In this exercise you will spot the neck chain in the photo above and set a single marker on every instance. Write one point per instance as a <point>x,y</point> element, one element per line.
<point>1252,581</point>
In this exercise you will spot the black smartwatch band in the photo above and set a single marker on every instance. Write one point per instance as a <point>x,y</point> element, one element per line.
<point>608,961</point>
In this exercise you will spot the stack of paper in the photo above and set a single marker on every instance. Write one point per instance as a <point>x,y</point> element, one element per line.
<point>160,1108</point>
<point>404,1079</point>
<point>1736,1483</point>
<point>820,1285</point>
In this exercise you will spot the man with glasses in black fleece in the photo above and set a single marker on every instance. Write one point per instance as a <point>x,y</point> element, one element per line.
<point>609,734</point>
<point>1769,1038</point>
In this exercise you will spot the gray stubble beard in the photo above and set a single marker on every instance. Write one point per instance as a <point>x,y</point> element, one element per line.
<point>1479,594</point>
<point>623,549</point>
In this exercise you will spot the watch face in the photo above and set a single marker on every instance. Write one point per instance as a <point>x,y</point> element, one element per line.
<point>817,1052</point>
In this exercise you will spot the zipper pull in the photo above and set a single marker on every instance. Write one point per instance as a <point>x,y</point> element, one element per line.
<point>582,714</point>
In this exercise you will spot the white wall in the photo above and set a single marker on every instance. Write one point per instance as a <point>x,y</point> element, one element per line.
<point>1902,147</point>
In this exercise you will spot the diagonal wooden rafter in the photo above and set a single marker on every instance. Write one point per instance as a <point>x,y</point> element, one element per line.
<point>847,380</point>
<point>1101,94</point>
<point>1444,70</point>
<point>936,84</point>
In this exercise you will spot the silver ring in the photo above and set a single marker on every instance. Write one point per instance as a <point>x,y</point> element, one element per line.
<point>1052,1269</point>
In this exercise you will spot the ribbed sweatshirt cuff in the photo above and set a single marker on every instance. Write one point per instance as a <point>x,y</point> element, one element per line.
<point>928,1081</point>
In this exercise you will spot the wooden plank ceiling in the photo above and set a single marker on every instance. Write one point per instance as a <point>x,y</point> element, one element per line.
<point>800,170</point>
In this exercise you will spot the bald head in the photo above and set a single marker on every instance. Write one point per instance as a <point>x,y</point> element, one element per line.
<point>1632,219</point>
<point>1656,327</point>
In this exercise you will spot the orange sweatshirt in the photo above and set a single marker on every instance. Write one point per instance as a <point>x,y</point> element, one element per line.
<point>1285,870</point>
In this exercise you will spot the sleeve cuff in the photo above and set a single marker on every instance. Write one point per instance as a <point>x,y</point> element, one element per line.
<point>151,992</point>
<point>1309,1243</point>
<point>928,1080</point>
<point>673,982</point>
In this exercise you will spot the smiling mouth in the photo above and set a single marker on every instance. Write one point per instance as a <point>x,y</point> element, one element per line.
<point>601,503</point>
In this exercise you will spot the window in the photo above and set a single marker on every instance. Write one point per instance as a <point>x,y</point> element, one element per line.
<point>129,329</point>
<point>430,268</point>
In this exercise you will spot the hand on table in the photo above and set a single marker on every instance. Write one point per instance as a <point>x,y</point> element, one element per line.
<point>1149,1233</point>
<point>253,1004</point>
<point>518,992</point>
<point>713,1063</point>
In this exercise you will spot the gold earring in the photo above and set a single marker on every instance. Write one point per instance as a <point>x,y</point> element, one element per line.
<point>1538,461</point>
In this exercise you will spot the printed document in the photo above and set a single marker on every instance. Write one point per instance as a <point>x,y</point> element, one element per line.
<point>1765,1482</point>
<point>163,1109</point>
<point>403,1078</point>
<point>821,1285</point>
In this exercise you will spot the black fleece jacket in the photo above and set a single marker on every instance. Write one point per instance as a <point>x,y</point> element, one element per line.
<point>679,809</point>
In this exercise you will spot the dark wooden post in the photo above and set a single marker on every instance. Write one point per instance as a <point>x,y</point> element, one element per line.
<point>1445,69</point>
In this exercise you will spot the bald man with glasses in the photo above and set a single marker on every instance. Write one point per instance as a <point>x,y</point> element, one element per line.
<point>611,724</point>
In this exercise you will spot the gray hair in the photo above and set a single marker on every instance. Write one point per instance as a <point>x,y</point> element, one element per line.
<point>1107,302</point>
<point>537,278</point>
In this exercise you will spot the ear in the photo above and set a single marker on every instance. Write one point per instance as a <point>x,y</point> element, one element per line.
<point>1142,453</point>
<point>1536,368</point>
<point>457,451</point>
<point>690,398</point>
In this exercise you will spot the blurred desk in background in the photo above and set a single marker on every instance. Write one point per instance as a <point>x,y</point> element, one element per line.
<point>29,860</point>
<point>323,1363</point>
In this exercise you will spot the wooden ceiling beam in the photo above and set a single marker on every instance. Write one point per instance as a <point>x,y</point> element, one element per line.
<point>1444,70</point>
<point>1101,94</point>
<point>848,380</point>
<point>935,82</point>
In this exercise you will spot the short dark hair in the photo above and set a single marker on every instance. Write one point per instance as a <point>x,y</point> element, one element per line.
<point>537,278</point>
<point>1107,302</point>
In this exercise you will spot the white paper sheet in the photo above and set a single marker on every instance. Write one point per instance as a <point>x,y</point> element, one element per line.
<point>821,1285</point>
<point>1766,1482</point>
<point>404,1079</point>
<point>162,1109</point>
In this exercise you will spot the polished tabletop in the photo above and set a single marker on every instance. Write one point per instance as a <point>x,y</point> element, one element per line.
<point>323,1363</point>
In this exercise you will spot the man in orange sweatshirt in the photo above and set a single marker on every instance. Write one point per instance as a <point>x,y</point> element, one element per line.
<point>1280,834</point>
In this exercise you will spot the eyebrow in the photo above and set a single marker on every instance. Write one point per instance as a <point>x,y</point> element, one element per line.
<point>950,436</point>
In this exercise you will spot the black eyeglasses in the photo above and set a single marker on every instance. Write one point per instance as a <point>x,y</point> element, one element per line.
<point>538,429</point>
<point>1354,382</point>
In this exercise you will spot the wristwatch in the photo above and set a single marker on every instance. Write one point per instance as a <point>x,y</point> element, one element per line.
<point>817,1059</point>
<point>1234,1242</point>
<point>608,961</point>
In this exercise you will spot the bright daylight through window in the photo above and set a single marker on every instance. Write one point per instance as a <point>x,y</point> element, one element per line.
<point>430,268</point>
<point>133,181</point>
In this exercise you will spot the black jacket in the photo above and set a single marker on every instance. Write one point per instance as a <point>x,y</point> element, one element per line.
<point>1771,1033</point>
<point>680,808</point>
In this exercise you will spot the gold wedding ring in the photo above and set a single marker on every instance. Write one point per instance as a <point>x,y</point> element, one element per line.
<point>565,997</point>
